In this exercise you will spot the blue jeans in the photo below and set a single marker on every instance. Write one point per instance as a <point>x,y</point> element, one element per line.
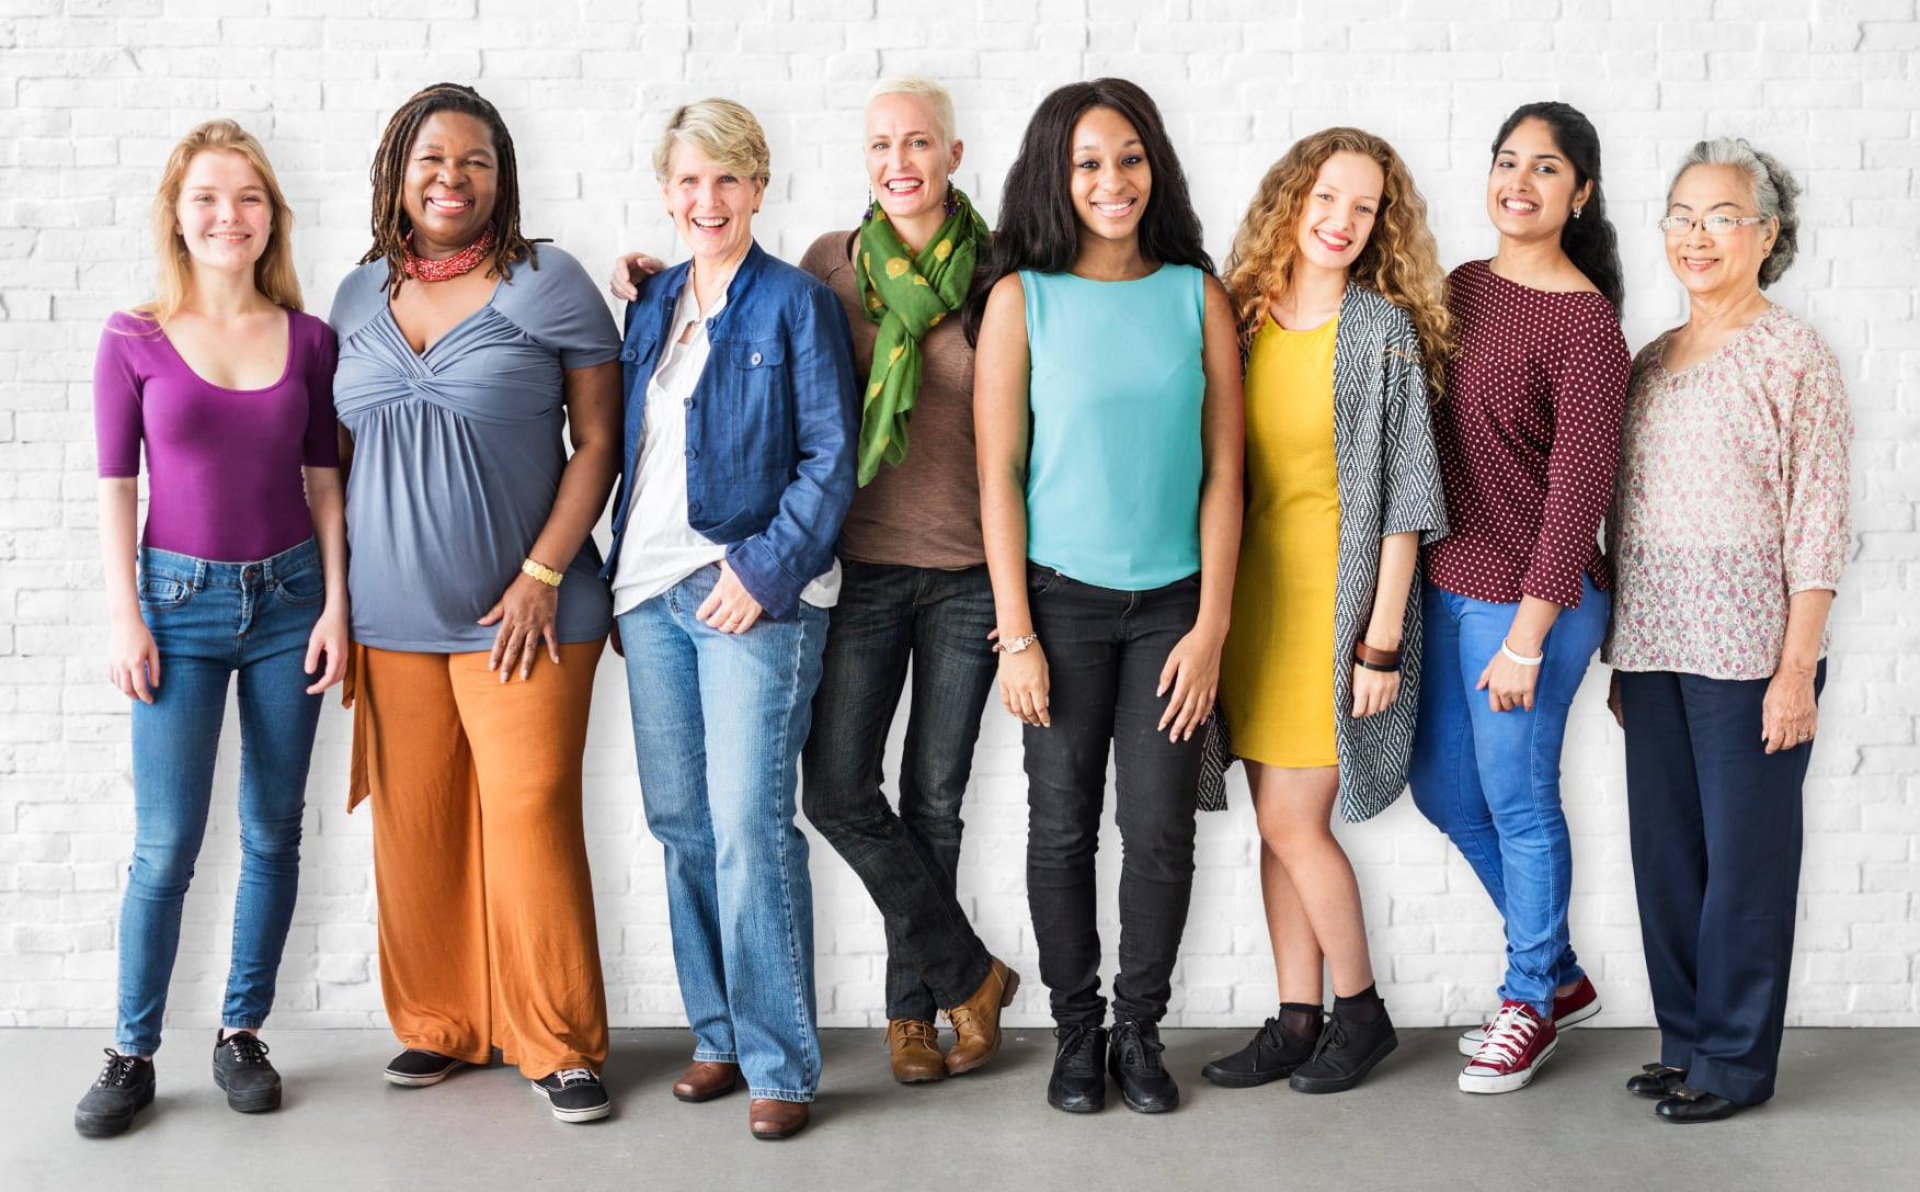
<point>1491,780</point>
<point>210,622</point>
<point>887,617</point>
<point>718,722</point>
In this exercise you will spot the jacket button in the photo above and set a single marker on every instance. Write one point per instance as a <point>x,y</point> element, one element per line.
<point>756,358</point>
<point>687,402</point>
<point>692,454</point>
<point>710,323</point>
<point>693,506</point>
<point>629,354</point>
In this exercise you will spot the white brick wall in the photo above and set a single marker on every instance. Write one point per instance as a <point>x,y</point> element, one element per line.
<point>93,93</point>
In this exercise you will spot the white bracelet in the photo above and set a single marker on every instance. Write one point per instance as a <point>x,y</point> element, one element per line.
<point>1520,660</point>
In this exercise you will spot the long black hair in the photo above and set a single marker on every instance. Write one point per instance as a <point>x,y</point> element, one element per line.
<point>1038,229</point>
<point>1589,241</point>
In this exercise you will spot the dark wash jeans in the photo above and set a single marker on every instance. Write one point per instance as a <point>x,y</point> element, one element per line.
<point>1104,652</point>
<point>887,617</point>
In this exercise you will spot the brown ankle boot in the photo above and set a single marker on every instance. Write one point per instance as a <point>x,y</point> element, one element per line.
<point>914,1047</point>
<point>976,1021</point>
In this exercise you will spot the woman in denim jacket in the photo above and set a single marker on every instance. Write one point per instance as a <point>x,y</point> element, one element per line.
<point>741,418</point>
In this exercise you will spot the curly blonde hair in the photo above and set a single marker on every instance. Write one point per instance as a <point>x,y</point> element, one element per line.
<point>1401,261</point>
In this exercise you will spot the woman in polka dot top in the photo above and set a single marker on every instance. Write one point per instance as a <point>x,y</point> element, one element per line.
<point>1517,596</point>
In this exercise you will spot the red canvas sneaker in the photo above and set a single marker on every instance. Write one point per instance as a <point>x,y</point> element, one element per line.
<point>1518,1042</point>
<point>1569,1009</point>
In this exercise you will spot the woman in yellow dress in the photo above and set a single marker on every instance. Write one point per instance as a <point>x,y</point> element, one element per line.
<point>1339,289</point>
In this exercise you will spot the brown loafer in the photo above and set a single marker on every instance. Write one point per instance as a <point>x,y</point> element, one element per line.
<point>704,1080</point>
<point>913,1046</point>
<point>771,1120</point>
<point>976,1021</point>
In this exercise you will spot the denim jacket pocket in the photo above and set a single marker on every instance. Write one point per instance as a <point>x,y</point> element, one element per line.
<point>761,405</point>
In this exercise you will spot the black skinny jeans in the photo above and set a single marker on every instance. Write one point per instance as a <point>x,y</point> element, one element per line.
<point>1105,650</point>
<point>887,617</point>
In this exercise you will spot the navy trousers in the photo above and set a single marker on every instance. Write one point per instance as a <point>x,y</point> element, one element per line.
<point>1716,832</point>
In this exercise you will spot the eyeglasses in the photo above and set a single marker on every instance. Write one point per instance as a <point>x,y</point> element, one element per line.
<point>1716,225</point>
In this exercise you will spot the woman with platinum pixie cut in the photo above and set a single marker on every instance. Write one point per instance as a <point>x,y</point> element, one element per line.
<point>741,419</point>
<point>1729,534</point>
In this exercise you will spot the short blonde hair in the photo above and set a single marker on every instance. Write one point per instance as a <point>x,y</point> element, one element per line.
<point>723,130</point>
<point>936,95</point>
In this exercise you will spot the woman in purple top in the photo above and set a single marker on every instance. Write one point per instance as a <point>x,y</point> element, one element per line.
<point>229,388</point>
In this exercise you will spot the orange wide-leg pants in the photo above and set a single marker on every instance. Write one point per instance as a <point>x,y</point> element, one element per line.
<point>487,936</point>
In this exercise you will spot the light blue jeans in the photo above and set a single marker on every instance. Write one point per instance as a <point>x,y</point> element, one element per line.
<point>718,722</point>
<point>212,621</point>
<point>1491,780</point>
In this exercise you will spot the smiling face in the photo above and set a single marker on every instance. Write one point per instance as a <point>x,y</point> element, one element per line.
<point>1339,212</point>
<point>1708,263</point>
<point>224,214</point>
<point>908,156</point>
<point>712,205</point>
<point>1531,191</point>
<point>451,180</point>
<point>1111,178</point>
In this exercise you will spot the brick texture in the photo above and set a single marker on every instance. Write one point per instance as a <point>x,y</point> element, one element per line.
<point>93,93</point>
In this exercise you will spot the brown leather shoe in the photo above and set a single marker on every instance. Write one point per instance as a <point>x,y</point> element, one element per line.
<point>772,1120</point>
<point>976,1021</point>
<point>913,1045</point>
<point>704,1080</point>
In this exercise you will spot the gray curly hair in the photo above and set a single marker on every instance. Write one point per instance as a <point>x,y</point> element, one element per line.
<point>1774,191</point>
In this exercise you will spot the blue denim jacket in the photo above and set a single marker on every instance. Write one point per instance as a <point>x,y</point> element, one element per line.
<point>771,426</point>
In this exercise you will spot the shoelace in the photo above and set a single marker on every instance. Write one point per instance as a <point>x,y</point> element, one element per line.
<point>118,1073</point>
<point>572,1076</point>
<point>1139,1048</point>
<point>246,1048</point>
<point>1508,1037</point>
<point>1333,1033</point>
<point>918,1031</point>
<point>1076,1047</point>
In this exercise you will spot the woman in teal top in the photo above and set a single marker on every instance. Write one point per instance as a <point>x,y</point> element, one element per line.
<point>1108,420</point>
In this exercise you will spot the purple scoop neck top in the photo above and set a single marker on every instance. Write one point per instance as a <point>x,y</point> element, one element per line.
<point>223,465</point>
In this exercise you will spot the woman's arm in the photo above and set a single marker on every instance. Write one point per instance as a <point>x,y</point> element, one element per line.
<point>329,636</point>
<point>528,611</point>
<point>133,661</point>
<point>1192,670</point>
<point>1375,690</point>
<point>1789,714</point>
<point>1002,371</point>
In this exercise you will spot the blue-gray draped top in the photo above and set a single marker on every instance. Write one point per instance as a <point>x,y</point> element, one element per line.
<point>457,454</point>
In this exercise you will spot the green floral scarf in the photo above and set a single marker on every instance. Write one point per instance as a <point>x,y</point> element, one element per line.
<point>908,296</point>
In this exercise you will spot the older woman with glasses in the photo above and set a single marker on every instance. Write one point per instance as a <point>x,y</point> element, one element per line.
<point>1729,535</point>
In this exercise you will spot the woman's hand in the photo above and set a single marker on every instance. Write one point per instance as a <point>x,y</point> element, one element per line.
<point>629,271</point>
<point>329,637</point>
<point>1508,684</point>
<point>1024,685</point>
<point>1788,714</point>
<point>730,608</point>
<point>133,660</point>
<point>1614,704</point>
<point>527,613</point>
<point>1373,690</point>
<point>1192,673</point>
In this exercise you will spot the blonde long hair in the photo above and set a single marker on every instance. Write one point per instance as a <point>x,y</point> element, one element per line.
<point>273,273</point>
<point>1401,261</point>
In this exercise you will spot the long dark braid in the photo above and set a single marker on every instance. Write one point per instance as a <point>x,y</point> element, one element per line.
<point>391,226</point>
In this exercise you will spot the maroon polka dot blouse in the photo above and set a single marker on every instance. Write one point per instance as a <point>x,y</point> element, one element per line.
<point>1529,434</point>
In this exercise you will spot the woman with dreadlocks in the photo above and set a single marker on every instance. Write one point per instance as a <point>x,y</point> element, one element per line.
<point>465,351</point>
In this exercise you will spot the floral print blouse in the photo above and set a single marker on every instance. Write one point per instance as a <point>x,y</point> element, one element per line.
<point>1732,494</point>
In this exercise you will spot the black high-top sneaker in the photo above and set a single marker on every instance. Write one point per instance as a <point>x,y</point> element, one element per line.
<point>1079,1083</point>
<point>1134,1059</point>
<point>240,1067</point>
<point>125,1087</point>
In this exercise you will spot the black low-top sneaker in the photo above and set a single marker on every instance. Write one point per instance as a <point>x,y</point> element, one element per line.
<point>240,1068</point>
<point>1079,1083</point>
<point>1348,1049</point>
<point>1134,1060</point>
<point>125,1087</point>
<point>1272,1055</point>
<point>417,1069</point>
<point>576,1095</point>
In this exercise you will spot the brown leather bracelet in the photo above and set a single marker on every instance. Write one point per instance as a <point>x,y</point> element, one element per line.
<point>1372,659</point>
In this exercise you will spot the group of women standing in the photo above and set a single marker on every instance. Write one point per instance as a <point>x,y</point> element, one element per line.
<point>1352,501</point>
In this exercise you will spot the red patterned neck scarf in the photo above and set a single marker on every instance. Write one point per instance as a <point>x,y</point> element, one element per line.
<point>464,261</point>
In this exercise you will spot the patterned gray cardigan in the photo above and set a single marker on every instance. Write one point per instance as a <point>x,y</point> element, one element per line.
<point>1389,481</point>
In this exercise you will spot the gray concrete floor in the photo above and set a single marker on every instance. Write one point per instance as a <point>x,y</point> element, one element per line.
<point>1848,1117</point>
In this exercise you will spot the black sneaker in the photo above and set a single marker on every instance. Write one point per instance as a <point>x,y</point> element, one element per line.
<point>576,1095</point>
<point>240,1067</point>
<point>1347,1051</point>
<point>1079,1083</point>
<point>125,1088</point>
<point>1135,1063</point>
<point>1272,1055</point>
<point>417,1069</point>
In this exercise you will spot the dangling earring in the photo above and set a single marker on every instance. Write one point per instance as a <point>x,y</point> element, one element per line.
<point>1576,213</point>
<point>953,204</point>
<point>869,211</point>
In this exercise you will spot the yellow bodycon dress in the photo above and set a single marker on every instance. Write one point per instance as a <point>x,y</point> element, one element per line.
<point>1276,683</point>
